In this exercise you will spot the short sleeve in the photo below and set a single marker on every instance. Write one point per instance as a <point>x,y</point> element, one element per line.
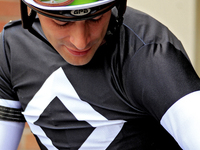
<point>159,75</point>
<point>10,107</point>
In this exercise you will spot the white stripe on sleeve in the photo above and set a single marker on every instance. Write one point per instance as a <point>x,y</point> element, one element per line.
<point>182,121</point>
<point>10,103</point>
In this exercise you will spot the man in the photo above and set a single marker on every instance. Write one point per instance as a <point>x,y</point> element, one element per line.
<point>85,79</point>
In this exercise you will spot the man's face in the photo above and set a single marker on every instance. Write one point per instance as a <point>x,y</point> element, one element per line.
<point>76,41</point>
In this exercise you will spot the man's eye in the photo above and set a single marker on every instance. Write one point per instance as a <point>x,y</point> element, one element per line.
<point>96,19</point>
<point>60,23</point>
<point>63,24</point>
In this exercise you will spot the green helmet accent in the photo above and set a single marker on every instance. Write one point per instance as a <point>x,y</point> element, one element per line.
<point>58,1</point>
<point>75,2</point>
<point>78,9</point>
<point>79,2</point>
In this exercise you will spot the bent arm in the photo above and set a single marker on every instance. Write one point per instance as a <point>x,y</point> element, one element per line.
<point>182,121</point>
<point>169,89</point>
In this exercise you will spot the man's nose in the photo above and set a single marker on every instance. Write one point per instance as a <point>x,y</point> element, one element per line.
<point>80,35</point>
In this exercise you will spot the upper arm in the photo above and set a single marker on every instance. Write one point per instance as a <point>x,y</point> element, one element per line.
<point>164,84</point>
<point>11,133</point>
<point>11,118</point>
<point>158,76</point>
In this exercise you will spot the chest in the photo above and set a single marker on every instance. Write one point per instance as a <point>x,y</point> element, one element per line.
<point>70,102</point>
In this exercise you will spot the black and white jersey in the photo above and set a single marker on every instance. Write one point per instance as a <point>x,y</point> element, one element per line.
<point>119,100</point>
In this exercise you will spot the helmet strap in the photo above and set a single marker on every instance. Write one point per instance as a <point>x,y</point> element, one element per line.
<point>27,20</point>
<point>121,7</point>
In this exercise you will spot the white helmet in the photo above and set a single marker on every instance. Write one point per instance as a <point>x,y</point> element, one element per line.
<point>69,10</point>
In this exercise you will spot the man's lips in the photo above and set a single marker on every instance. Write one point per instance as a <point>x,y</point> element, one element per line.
<point>78,52</point>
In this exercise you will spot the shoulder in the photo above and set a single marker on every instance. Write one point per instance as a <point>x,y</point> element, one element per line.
<point>14,31</point>
<point>141,23</point>
<point>14,38</point>
<point>145,31</point>
<point>13,24</point>
<point>148,29</point>
<point>11,34</point>
<point>12,28</point>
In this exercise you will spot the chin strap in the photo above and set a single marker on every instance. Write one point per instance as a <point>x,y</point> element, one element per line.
<point>27,20</point>
<point>116,21</point>
<point>121,7</point>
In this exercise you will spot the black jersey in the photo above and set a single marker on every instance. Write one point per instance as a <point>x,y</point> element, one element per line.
<point>114,102</point>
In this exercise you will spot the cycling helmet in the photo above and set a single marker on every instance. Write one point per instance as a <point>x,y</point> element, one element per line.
<point>69,10</point>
